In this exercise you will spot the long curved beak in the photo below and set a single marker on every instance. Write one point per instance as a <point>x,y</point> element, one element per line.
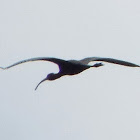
<point>40,83</point>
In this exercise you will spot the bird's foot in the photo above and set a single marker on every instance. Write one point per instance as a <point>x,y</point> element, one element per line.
<point>98,65</point>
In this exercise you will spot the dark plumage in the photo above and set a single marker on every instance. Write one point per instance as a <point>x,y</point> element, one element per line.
<point>72,67</point>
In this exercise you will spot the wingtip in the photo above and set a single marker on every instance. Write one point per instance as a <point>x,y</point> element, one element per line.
<point>2,68</point>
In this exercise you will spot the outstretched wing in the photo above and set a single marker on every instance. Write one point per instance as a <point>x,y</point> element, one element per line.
<point>109,60</point>
<point>57,61</point>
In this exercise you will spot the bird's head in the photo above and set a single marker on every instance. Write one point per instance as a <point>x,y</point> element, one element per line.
<point>51,76</point>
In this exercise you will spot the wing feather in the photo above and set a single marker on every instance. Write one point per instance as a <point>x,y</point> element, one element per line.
<point>109,60</point>
<point>57,61</point>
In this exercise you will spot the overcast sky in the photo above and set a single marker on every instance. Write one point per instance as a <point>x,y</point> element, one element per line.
<point>99,104</point>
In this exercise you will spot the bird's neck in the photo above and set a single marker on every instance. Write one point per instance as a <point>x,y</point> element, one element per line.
<point>56,76</point>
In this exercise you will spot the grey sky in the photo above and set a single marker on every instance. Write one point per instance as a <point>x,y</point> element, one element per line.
<point>98,104</point>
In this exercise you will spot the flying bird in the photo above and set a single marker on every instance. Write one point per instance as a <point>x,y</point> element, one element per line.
<point>72,67</point>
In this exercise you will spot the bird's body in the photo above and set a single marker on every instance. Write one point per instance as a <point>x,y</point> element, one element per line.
<point>72,67</point>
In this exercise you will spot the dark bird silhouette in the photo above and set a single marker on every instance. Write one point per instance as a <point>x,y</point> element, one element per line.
<point>72,67</point>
